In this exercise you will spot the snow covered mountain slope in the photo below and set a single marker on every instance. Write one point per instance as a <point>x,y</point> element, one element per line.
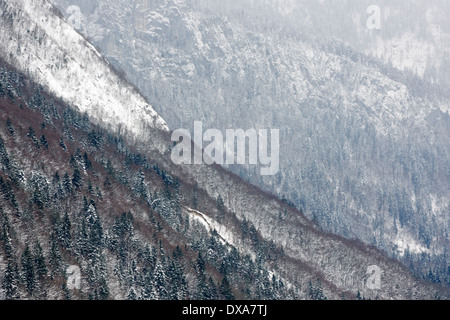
<point>127,173</point>
<point>364,146</point>
<point>136,228</point>
<point>56,56</point>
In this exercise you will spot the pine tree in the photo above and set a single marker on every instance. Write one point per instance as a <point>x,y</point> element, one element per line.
<point>67,183</point>
<point>177,278</point>
<point>7,244</point>
<point>10,282</point>
<point>77,180</point>
<point>160,281</point>
<point>131,294</point>
<point>31,134</point>
<point>54,258</point>
<point>141,186</point>
<point>225,289</point>
<point>220,206</point>
<point>87,162</point>
<point>212,289</point>
<point>95,229</point>
<point>316,291</point>
<point>44,142</point>
<point>28,273</point>
<point>358,296</point>
<point>147,288</point>
<point>62,144</point>
<point>66,292</point>
<point>5,235</point>
<point>63,231</point>
<point>200,264</point>
<point>203,292</point>
<point>4,157</point>
<point>38,198</point>
<point>103,290</point>
<point>90,187</point>
<point>39,261</point>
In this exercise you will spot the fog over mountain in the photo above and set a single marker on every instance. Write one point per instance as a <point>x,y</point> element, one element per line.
<point>363,113</point>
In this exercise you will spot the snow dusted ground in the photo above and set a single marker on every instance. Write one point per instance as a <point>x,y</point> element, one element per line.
<point>225,235</point>
<point>54,54</point>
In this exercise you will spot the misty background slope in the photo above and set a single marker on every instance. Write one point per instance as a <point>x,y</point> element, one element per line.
<point>363,114</point>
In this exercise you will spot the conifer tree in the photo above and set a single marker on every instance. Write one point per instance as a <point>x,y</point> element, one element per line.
<point>28,273</point>
<point>10,282</point>
<point>44,142</point>
<point>39,261</point>
<point>67,183</point>
<point>54,257</point>
<point>225,289</point>
<point>77,179</point>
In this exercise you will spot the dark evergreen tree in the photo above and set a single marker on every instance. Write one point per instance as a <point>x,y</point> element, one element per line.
<point>90,188</point>
<point>77,179</point>
<point>177,278</point>
<point>38,198</point>
<point>212,289</point>
<point>131,294</point>
<point>28,273</point>
<point>67,183</point>
<point>44,142</point>
<point>103,293</point>
<point>4,157</point>
<point>203,292</point>
<point>316,291</point>
<point>66,292</point>
<point>62,144</point>
<point>5,235</point>
<point>32,135</point>
<point>64,231</point>
<point>141,186</point>
<point>10,282</point>
<point>200,264</point>
<point>87,163</point>
<point>220,205</point>
<point>39,261</point>
<point>225,289</point>
<point>54,258</point>
<point>160,281</point>
<point>94,230</point>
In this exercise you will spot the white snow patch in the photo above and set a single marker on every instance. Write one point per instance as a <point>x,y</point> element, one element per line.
<point>406,242</point>
<point>225,235</point>
<point>61,60</point>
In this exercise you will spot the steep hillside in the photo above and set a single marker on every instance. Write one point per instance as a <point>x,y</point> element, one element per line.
<point>364,146</point>
<point>83,188</point>
<point>74,194</point>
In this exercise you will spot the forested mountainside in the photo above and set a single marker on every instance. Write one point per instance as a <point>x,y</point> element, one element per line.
<point>87,182</point>
<point>364,145</point>
<point>74,194</point>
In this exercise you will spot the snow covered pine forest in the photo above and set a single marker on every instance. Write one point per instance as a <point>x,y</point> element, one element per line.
<point>86,180</point>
